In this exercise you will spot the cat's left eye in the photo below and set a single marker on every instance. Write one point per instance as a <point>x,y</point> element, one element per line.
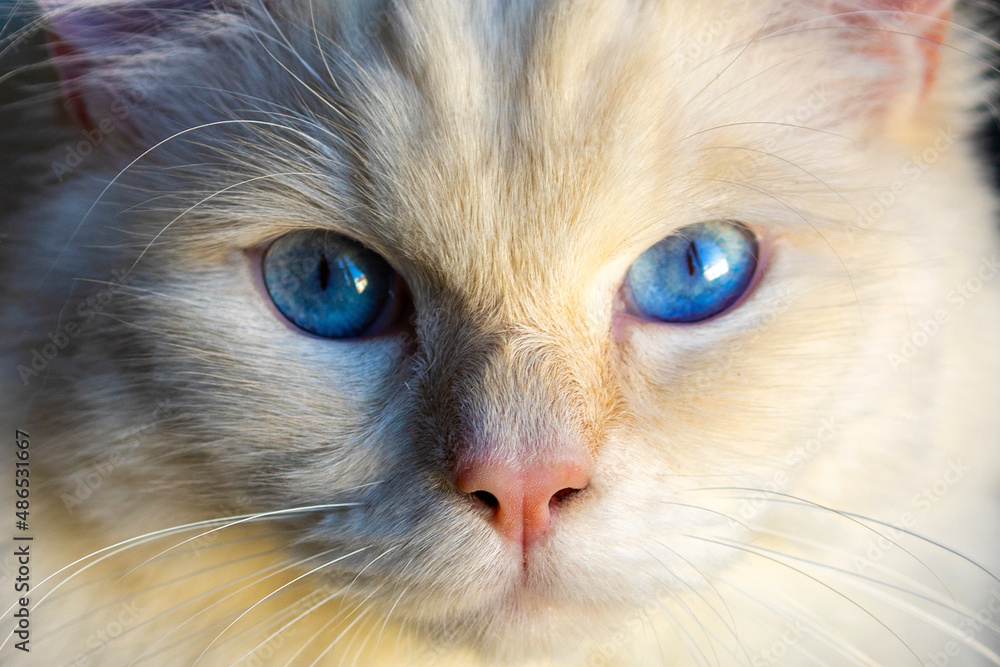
<point>327,284</point>
<point>694,274</point>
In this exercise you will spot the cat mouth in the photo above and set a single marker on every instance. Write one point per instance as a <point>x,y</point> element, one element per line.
<point>530,599</point>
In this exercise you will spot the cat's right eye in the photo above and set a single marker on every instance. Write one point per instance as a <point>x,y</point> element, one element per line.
<point>694,274</point>
<point>328,285</point>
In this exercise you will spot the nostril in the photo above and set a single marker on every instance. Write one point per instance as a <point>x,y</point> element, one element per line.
<point>563,495</point>
<point>521,498</point>
<point>486,498</point>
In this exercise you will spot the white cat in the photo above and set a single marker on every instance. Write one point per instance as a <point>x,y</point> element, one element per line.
<point>431,332</point>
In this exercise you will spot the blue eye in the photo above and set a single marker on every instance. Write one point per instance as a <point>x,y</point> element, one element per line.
<point>693,274</point>
<point>326,284</point>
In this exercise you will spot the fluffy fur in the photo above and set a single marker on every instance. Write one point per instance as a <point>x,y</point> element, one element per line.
<point>811,478</point>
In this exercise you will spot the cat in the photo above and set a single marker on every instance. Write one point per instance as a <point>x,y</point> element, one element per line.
<point>541,332</point>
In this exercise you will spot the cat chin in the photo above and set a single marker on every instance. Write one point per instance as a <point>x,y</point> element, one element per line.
<point>523,627</point>
<point>503,608</point>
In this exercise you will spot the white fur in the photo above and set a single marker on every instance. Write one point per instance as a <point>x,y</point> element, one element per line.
<point>511,160</point>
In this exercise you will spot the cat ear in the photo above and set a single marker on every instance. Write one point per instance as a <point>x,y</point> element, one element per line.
<point>906,36</point>
<point>89,39</point>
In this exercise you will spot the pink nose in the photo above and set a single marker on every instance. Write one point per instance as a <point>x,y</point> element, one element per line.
<point>523,498</point>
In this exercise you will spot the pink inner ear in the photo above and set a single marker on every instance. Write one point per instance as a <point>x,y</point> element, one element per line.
<point>70,70</point>
<point>86,33</point>
<point>913,6</point>
<point>853,11</point>
<point>894,20</point>
<point>925,7</point>
<point>930,48</point>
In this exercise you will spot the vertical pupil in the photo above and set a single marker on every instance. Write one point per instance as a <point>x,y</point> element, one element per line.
<point>324,271</point>
<point>693,260</point>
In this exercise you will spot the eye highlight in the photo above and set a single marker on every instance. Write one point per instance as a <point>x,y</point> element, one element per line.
<point>695,273</point>
<point>327,284</point>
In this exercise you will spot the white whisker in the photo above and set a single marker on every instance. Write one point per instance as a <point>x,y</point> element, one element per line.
<point>272,594</point>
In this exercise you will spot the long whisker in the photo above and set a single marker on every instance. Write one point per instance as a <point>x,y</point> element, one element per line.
<point>926,592</point>
<point>342,593</point>
<point>378,640</point>
<point>236,639</point>
<point>764,122</point>
<point>132,542</point>
<point>208,198</point>
<point>713,640</point>
<point>742,51</point>
<point>793,616</point>
<point>860,519</point>
<point>855,578</point>
<point>362,570</point>
<point>272,594</point>
<point>335,617</point>
<point>17,37</point>
<point>730,625</point>
<point>223,527</point>
<point>319,46</point>
<point>170,582</point>
<point>708,510</point>
<point>345,630</point>
<point>209,630</point>
<point>257,581</point>
<point>305,644</point>
<point>792,164</point>
<point>748,550</point>
<point>67,592</point>
<point>322,99</point>
<point>154,147</point>
<point>685,635</point>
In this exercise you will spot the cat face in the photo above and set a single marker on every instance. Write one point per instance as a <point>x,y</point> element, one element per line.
<point>522,439</point>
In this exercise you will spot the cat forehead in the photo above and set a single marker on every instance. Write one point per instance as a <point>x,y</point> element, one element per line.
<point>483,142</point>
<point>566,130</point>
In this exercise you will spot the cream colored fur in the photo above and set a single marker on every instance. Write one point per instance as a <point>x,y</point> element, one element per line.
<point>511,160</point>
